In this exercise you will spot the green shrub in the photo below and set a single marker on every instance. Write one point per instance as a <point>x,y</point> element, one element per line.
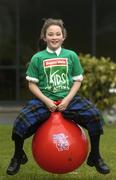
<point>99,78</point>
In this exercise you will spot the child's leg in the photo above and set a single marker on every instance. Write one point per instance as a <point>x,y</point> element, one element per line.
<point>95,158</point>
<point>85,114</point>
<point>95,144</point>
<point>26,124</point>
<point>19,156</point>
<point>18,141</point>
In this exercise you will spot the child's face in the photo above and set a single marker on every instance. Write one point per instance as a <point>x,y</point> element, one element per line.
<point>54,37</point>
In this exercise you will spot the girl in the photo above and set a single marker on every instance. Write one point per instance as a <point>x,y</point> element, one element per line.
<point>55,74</point>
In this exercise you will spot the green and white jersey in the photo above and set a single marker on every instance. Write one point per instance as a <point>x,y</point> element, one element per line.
<point>55,73</point>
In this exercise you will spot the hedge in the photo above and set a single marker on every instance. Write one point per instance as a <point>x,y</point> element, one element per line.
<point>99,80</point>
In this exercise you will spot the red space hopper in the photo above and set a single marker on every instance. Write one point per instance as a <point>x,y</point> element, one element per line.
<point>59,145</point>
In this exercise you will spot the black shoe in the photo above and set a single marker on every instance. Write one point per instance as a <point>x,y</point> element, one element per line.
<point>14,166</point>
<point>15,163</point>
<point>24,158</point>
<point>99,164</point>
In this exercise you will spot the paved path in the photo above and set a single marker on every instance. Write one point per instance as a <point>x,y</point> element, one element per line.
<point>7,118</point>
<point>8,114</point>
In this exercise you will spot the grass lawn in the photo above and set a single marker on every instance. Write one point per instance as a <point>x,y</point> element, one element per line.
<point>31,170</point>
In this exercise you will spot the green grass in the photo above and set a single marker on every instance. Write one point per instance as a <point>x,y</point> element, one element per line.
<point>31,170</point>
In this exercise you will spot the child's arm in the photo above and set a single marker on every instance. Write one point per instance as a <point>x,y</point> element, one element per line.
<point>62,106</point>
<point>37,92</point>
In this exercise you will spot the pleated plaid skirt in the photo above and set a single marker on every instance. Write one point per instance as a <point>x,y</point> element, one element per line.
<point>80,110</point>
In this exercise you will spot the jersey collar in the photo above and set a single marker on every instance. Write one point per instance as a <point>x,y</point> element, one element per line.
<point>57,51</point>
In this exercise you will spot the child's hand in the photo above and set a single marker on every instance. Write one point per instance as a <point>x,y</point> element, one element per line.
<point>63,105</point>
<point>51,105</point>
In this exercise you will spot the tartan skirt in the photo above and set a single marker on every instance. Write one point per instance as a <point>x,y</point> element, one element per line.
<point>80,110</point>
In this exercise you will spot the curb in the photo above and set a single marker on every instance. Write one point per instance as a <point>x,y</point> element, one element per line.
<point>10,109</point>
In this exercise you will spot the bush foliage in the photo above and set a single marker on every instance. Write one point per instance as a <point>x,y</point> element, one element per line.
<point>99,78</point>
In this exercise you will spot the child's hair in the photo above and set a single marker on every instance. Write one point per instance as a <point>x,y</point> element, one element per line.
<point>50,21</point>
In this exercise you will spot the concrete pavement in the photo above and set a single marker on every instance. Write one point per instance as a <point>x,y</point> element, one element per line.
<point>9,113</point>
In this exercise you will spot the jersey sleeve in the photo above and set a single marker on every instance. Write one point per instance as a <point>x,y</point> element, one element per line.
<point>32,71</point>
<point>77,68</point>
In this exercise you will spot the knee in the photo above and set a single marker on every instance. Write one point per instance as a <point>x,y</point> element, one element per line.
<point>95,127</point>
<point>16,137</point>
